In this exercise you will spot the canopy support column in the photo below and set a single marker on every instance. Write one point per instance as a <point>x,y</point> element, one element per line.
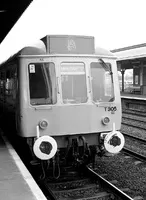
<point>122,72</point>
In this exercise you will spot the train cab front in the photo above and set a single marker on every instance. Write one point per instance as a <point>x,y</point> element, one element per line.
<point>75,101</point>
<point>71,102</point>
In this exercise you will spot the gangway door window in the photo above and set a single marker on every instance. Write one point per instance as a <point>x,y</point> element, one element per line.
<point>73,81</point>
<point>42,83</point>
<point>102,83</point>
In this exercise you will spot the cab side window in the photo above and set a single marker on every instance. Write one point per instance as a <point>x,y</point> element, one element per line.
<point>37,82</point>
<point>42,83</point>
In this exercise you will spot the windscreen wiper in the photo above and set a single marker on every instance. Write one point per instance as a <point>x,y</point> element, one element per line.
<point>106,67</point>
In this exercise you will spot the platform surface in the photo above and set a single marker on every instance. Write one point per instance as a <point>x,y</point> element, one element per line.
<point>16,183</point>
<point>133,96</point>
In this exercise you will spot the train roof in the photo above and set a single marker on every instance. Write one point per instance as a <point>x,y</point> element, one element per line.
<point>67,44</point>
<point>31,50</point>
<point>64,44</point>
<point>103,52</point>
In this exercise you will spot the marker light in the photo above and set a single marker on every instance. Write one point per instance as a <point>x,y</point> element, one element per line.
<point>45,147</point>
<point>43,124</point>
<point>105,120</point>
<point>114,142</point>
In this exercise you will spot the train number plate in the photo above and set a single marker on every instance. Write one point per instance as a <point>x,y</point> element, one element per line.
<point>110,109</point>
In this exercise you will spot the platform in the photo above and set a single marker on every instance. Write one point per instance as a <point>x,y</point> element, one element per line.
<point>16,183</point>
<point>132,96</point>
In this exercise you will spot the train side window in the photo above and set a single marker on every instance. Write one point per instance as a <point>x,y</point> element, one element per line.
<point>41,83</point>
<point>2,84</point>
<point>8,84</point>
<point>11,84</point>
<point>102,83</point>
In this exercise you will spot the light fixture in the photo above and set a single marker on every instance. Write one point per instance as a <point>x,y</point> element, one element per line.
<point>43,124</point>
<point>105,120</point>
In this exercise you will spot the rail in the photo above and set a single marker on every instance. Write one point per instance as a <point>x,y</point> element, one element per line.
<point>109,185</point>
<point>134,137</point>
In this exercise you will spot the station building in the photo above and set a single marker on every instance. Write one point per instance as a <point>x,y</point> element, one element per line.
<point>134,58</point>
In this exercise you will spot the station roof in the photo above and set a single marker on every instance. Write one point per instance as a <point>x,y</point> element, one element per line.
<point>131,52</point>
<point>131,56</point>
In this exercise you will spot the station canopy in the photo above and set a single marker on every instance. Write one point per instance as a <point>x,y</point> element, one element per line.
<point>129,57</point>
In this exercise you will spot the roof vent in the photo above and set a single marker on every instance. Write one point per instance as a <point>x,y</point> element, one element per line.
<point>67,44</point>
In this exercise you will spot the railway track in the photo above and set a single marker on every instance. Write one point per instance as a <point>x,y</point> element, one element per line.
<point>131,152</point>
<point>134,154</point>
<point>131,122</point>
<point>134,137</point>
<point>91,186</point>
<point>134,117</point>
<point>134,112</point>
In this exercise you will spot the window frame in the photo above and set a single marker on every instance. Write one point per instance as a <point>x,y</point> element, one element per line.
<point>112,82</point>
<point>46,81</point>
<point>85,72</point>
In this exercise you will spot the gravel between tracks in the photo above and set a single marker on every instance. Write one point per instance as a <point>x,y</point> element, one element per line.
<point>126,172</point>
<point>134,131</point>
<point>136,146</point>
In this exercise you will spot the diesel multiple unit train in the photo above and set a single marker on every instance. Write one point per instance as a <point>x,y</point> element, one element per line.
<point>63,94</point>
